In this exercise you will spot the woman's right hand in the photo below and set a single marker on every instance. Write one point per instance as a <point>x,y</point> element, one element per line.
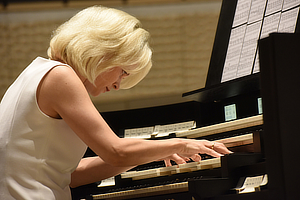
<point>195,147</point>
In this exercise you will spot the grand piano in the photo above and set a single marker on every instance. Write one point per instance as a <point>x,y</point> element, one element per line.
<point>253,111</point>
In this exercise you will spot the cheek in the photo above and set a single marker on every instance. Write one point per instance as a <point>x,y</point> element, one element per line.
<point>106,80</point>
<point>91,89</point>
<point>100,83</point>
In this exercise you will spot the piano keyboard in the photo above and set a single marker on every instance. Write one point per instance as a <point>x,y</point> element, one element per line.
<point>188,167</point>
<point>192,166</point>
<point>143,192</point>
<point>175,169</point>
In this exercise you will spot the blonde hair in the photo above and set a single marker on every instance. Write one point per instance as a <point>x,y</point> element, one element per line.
<point>99,38</point>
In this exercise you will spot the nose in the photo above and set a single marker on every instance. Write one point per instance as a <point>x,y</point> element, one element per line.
<point>116,84</point>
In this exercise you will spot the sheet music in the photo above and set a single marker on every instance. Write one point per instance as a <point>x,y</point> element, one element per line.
<point>287,4</point>
<point>242,53</point>
<point>270,25</point>
<point>233,53</point>
<point>159,130</point>
<point>107,182</point>
<point>144,132</point>
<point>288,21</point>
<point>241,12</point>
<point>249,49</point>
<point>257,10</point>
<point>256,62</point>
<point>273,6</point>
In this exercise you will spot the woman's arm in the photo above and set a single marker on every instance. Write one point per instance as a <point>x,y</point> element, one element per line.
<point>93,169</point>
<point>62,92</point>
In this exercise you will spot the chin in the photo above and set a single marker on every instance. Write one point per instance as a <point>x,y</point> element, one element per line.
<point>97,93</point>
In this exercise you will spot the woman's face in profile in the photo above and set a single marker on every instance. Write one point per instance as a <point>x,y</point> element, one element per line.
<point>106,81</point>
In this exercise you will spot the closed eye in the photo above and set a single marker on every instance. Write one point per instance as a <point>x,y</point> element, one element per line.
<point>124,73</point>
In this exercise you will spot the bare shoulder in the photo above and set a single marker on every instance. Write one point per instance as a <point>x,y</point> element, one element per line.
<point>61,73</point>
<point>59,87</point>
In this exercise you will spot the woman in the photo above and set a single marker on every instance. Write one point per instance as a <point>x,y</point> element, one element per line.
<point>47,118</point>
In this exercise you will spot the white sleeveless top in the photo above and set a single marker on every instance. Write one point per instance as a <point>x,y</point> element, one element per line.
<point>37,153</point>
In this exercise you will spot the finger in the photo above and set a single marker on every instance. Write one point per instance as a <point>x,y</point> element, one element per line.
<point>196,157</point>
<point>179,159</point>
<point>220,148</point>
<point>184,157</point>
<point>168,162</point>
<point>213,153</point>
